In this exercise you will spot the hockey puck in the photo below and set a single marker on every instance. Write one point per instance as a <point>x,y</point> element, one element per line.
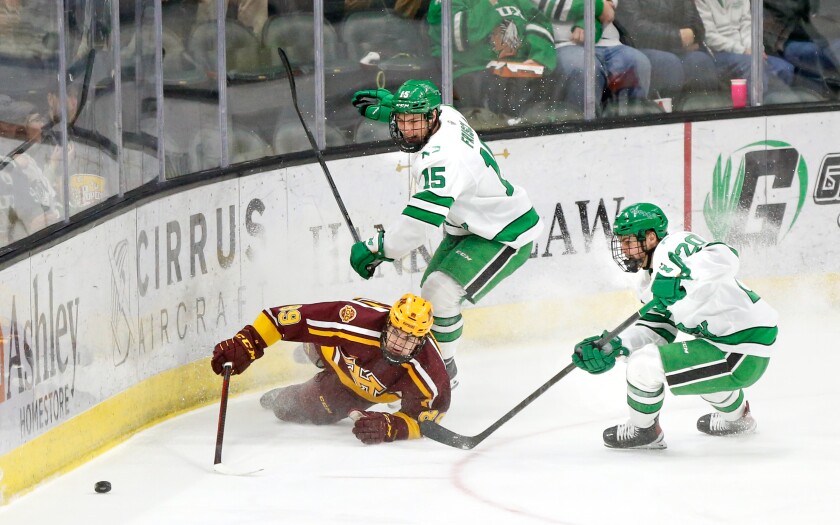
<point>102,486</point>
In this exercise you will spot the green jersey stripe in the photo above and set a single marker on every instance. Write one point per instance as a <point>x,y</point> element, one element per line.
<point>430,197</point>
<point>520,225</point>
<point>644,393</point>
<point>664,333</point>
<point>760,335</point>
<point>539,31</point>
<point>424,216</point>
<point>447,321</point>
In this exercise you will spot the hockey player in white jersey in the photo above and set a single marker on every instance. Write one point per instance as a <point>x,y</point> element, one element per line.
<point>692,283</point>
<point>489,222</point>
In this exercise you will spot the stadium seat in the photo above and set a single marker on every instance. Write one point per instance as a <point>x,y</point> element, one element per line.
<point>295,33</point>
<point>550,113</point>
<point>385,33</point>
<point>792,95</point>
<point>246,58</point>
<point>480,118</point>
<point>204,152</point>
<point>631,108</point>
<point>370,131</point>
<point>704,101</point>
<point>290,137</point>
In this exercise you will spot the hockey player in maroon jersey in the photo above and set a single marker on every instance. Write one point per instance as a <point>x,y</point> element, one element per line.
<point>373,354</point>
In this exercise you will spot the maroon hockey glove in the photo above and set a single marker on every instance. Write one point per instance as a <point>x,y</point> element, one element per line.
<point>245,347</point>
<point>372,428</point>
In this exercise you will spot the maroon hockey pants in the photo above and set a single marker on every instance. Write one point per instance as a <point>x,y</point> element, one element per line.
<point>321,401</point>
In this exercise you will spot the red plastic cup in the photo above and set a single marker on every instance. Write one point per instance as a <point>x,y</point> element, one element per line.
<point>739,92</point>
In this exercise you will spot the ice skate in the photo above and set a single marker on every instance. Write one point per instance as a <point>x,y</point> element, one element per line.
<point>714,424</point>
<point>629,436</point>
<point>268,400</point>
<point>452,370</point>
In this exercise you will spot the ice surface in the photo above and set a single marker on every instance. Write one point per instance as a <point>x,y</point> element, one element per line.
<point>547,465</point>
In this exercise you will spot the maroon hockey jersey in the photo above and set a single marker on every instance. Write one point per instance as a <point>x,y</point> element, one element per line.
<point>348,334</point>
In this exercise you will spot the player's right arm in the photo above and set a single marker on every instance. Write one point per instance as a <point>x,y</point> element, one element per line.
<point>325,324</point>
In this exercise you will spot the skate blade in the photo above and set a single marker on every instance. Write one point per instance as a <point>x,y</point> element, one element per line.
<point>656,445</point>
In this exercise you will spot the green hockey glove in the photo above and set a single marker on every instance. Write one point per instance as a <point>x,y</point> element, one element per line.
<point>375,104</point>
<point>667,290</point>
<point>596,360</point>
<point>365,256</point>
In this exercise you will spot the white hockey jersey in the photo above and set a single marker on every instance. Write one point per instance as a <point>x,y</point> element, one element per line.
<point>717,307</point>
<point>461,186</point>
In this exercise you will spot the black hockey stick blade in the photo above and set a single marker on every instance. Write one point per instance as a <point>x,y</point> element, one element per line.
<point>435,432</point>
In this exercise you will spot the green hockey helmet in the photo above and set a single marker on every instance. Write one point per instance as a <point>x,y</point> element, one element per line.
<point>637,220</point>
<point>417,97</point>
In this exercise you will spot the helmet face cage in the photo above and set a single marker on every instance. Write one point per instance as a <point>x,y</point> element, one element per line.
<point>636,220</point>
<point>625,261</point>
<point>415,97</point>
<point>411,146</point>
<point>399,346</point>
<point>409,322</point>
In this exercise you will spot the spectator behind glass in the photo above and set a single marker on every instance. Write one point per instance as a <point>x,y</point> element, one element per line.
<point>28,202</point>
<point>728,25</point>
<point>789,34</point>
<point>506,31</point>
<point>252,13</point>
<point>619,67</point>
<point>670,33</point>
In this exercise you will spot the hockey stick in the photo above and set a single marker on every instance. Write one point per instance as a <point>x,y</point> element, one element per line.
<point>218,466</point>
<point>355,234</point>
<point>435,432</point>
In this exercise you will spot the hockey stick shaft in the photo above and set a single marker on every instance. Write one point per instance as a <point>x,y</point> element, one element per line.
<point>353,232</point>
<point>220,433</point>
<point>315,148</point>
<point>435,432</point>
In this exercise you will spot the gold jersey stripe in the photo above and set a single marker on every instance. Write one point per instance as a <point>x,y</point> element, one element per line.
<point>413,426</point>
<point>267,329</point>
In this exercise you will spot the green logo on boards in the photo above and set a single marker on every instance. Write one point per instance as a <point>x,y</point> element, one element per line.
<point>759,201</point>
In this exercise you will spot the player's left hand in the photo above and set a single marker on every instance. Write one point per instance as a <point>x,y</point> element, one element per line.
<point>375,104</point>
<point>372,428</point>
<point>589,357</point>
<point>365,256</point>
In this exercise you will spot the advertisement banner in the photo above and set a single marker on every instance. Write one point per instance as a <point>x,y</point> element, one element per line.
<point>770,191</point>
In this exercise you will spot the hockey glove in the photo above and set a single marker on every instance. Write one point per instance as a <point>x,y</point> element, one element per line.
<point>372,428</point>
<point>246,346</point>
<point>375,104</point>
<point>365,256</point>
<point>596,360</point>
<point>666,290</point>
